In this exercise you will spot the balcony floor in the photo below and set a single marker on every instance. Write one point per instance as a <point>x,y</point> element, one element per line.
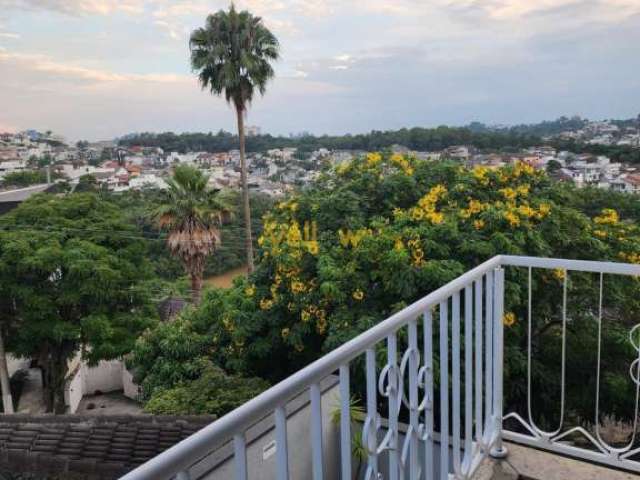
<point>531,464</point>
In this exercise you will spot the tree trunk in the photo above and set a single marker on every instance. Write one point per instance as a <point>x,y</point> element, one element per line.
<point>54,372</point>
<point>245,191</point>
<point>196,288</point>
<point>7,401</point>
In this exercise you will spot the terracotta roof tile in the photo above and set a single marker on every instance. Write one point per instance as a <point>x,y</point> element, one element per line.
<point>104,446</point>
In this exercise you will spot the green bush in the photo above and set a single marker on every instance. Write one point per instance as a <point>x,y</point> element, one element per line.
<point>213,392</point>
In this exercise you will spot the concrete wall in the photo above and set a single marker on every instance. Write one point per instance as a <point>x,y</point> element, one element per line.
<point>104,377</point>
<point>261,446</point>
<point>107,376</point>
<point>14,364</point>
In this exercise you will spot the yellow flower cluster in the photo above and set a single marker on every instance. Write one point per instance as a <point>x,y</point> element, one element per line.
<point>417,254</point>
<point>559,273</point>
<point>509,319</point>
<point>343,168</point>
<point>291,205</point>
<point>512,218</point>
<point>480,173</point>
<point>508,193</point>
<point>373,159</point>
<point>353,238</point>
<point>478,224</point>
<point>511,194</point>
<point>313,247</point>
<point>543,210</point>
<point>401,162</point>
<point>298,287</point>
<point>250,291</point>
<point>358,294</point>
<point>228,324</point>
<point>426,208</point>
<point>630,257</point>
<point>475,207</point>
<point>608,217</point>
<point>522,168</point>
<point>266,304</point>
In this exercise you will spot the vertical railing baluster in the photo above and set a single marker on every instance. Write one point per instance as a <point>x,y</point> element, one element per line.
<point>428,414</point>
<point>345,422</point>
<point>444,390</point>
<point>414,420</point>
<point>488,350</point>
<point>455,372</point>
<point>240,456</point>
<point>316,432</point>
<point>372,411</point>
<point>394,398</point>
<point>282,456</point>
<point>498,311</point>
<point>478,361</point>
<point>468,375</point>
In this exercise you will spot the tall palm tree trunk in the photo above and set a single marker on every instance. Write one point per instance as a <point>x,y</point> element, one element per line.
<point>7,401</point>
<point>196,288</point>
<point>245,191</point>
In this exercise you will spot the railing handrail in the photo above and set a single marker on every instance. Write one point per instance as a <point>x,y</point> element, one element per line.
<point>575,265</point>
<point>197,446</point>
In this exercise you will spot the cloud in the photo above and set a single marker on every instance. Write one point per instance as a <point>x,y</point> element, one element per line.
<point>9,35</point>
<point>77,7</point>
<point>97,103</point>
<point>76,73</point>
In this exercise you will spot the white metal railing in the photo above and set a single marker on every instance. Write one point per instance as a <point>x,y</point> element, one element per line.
<point>556,440</point>
<point>457,430</point>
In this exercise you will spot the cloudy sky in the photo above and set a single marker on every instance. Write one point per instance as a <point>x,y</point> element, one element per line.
<point>96,69</point>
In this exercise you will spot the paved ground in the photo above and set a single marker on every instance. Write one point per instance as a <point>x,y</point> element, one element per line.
<point>31,399</point>
<point>114,403</point>
<point>524,462</point>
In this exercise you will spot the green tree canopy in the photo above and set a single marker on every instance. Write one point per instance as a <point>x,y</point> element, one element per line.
<point>376,234</point>
<point>74,271</point>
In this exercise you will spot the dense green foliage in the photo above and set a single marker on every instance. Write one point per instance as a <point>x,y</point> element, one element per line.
<point>382,231</point>
<point>214,392</point>
<point>139,205</point>
<point>425,139</point>
<point>24,178</point>
<point>74,273</point>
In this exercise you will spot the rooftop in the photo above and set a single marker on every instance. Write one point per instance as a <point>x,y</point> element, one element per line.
<point>106,446</point>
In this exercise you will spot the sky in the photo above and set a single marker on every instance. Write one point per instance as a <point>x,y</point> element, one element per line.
<point>97,69</point>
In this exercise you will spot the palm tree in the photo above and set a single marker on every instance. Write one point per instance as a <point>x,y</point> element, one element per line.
<point>192,213</point>
<point>231,54</point>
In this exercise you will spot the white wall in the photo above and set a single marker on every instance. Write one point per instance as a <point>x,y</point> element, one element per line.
<point>104,377</point>
<point>107,376</point>
<point>14,364</point>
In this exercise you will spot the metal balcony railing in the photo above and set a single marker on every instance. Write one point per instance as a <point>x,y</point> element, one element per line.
<point>409,431</point>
